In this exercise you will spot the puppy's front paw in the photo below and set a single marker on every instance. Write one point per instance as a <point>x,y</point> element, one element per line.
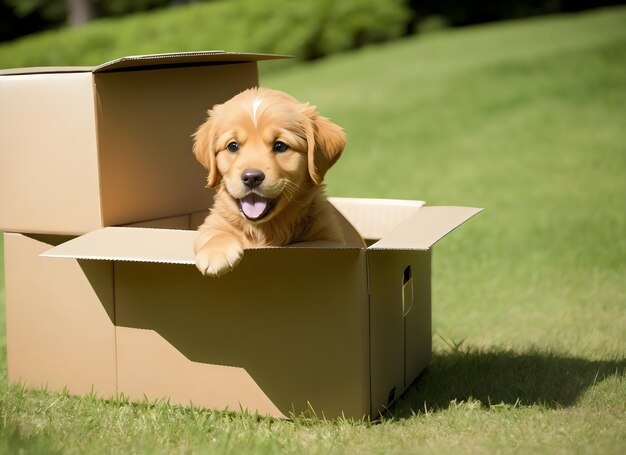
<point>219,255</point>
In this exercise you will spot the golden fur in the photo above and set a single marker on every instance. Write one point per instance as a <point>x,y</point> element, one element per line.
<point>289,204</point>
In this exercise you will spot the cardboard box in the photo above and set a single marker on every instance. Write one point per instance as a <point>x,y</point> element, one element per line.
<point>341,330</point>
<point>344,330</point>
<point>84,148</point>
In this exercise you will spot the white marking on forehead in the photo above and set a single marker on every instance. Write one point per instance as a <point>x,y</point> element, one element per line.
<point>255,107</point>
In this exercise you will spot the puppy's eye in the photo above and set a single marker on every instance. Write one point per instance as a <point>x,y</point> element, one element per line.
<point>232,147</point>
<point>280,147</point>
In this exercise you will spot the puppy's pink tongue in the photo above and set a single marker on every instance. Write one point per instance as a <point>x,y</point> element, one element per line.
<point>253,205</point>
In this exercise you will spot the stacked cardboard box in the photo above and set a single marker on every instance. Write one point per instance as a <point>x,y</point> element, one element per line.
<point>96,169</point>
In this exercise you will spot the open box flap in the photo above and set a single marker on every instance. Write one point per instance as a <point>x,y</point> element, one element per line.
<point>425,227</point>
<point>167,246</point>
<point>45,70</point>
<point>183,59</point>
<point>375,218</point>
<point>151,60</point>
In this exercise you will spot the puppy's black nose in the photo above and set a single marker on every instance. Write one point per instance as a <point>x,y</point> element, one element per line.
<point>252,177</point>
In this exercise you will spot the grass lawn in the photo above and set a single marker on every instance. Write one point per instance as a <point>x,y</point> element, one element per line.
<point>526,119</point>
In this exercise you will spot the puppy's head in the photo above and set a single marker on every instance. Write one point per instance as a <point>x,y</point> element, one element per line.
<point>266,147</point>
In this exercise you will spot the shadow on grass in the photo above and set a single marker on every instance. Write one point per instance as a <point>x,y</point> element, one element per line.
<point>505,377</point>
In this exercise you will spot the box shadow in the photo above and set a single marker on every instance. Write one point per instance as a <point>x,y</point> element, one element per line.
<point>309,346</point>
<point>503,377</point>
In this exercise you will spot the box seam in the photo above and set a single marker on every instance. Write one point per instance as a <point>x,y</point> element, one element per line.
<point>369,332</point>
<point>117,369</point>
<point>96,110</point>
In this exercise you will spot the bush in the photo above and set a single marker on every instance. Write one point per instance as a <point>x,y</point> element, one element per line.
<point>308,30</point>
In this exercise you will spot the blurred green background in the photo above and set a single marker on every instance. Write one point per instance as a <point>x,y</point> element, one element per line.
<point>309,29</point>
<point>526,118</point>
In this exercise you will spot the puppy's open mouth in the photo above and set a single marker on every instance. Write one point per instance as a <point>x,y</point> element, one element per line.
<point>255,207</point>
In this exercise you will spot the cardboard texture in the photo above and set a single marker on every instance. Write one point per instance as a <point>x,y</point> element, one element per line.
<point>288,345</point>
<point>109,145</point>
<point>60,319</point>
<point>390,213</point>
<point>268,337</point>
<point>100,208</point>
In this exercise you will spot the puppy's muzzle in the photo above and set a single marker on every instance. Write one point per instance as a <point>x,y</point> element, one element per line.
<point>252,177</point>
<point>254,206</point>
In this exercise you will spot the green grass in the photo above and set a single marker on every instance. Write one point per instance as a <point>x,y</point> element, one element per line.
<point>526,119</point>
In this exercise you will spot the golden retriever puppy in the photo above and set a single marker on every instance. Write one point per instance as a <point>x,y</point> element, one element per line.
<point>266,154</point>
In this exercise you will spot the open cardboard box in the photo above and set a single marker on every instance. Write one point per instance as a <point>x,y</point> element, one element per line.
<point>344,330</point>
<point>83,148</point>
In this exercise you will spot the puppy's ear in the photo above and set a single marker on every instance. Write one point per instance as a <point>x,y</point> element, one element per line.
<point>326,141</point>
<point>204,149</point>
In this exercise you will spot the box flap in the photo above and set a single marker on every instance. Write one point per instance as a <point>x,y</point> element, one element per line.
<point>168,246</point>
<point>130,244</point>
<point>46,70</point>
<point>424,228</point>
<point>183,58</point>
<point>142,61</point>
<point>375,218</point>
